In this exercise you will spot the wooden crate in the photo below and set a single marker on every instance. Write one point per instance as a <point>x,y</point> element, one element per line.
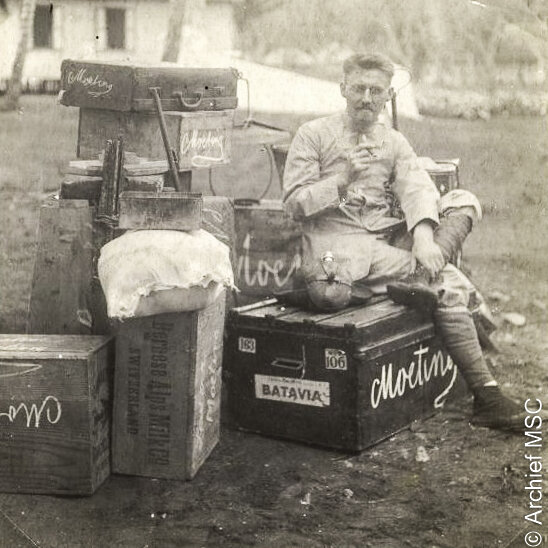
<point>168,392</point>
<point>61,294</point>
<point>200,138</point>
<point>268,248</point>
<point>55,413</point>
<point>160,210</point>
<point>445,175</point>
<point>344,380</point>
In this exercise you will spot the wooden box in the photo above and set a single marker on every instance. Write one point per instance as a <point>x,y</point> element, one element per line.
<point>344,380</point>
<point>218,219</point>
<point>55,413</point>
<point>168,392</point>
<point>445,175</point>
<point>268,247</point>
<point>125,87</point>
<point>160,210</point>
<point>61,300</point>
<point>202,139</point>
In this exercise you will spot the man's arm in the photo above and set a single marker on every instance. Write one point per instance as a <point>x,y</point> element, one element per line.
<point>306,193</point>
<point>415,190</point>
<point>418,197</point>
<point>425,250</point>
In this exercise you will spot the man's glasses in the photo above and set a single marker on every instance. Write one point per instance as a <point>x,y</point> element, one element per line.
<point>375,91</point>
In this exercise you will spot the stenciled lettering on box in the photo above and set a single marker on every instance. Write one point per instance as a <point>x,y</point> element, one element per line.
<point>423,367</point>
<point>133,390</point>
<point>289,390</point>
<point>208,401</point>
<point>94,84</point>
<point>265,269</point>
<point>33,415</point>
<point>158,393</point>
<point>203,147</point>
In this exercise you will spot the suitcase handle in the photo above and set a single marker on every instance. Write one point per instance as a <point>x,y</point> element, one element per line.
<point>288,363</point>
<point>187,104</point>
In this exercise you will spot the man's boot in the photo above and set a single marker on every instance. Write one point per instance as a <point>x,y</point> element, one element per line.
<point>415,290</point>
<point>492,409</point>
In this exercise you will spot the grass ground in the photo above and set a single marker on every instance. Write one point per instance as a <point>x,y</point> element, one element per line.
<point>249,491</point>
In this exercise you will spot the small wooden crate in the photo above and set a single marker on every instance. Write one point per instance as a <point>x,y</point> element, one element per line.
<point>55,413</point>
<point>202,139</point>
<point>344,379</point>
<point>168,392</point>
<point>160,210</point>
<point>268,248</point>
<point>445,175</point>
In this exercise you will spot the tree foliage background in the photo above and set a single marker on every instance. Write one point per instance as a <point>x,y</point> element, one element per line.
<point>465,43</point>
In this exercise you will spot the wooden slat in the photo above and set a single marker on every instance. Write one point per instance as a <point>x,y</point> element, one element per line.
<point>143,183</point>
<point>320,317</point>
<point>253,306</point>
<point>112,165</point>
<point>45,347</point>
<point>365,315</point>
<point>60,293</point>
<point>85,167</point>
<point>275,310</point>
<point>150,167</point>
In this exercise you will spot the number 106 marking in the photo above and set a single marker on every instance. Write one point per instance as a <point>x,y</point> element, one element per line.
<point>335,359</point>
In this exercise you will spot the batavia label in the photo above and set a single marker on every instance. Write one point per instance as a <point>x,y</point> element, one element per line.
<point>290,390</point>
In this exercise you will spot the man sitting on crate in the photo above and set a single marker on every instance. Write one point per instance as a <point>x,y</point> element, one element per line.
<point>341,175</point>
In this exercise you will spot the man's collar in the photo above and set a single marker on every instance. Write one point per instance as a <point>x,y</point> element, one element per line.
<point>375,134</point>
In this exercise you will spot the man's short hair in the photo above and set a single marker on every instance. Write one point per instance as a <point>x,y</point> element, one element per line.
<point>368,61</point>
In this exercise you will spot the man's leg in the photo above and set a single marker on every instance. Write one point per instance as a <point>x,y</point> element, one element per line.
<point>455,326</point>
<point>460,209</point>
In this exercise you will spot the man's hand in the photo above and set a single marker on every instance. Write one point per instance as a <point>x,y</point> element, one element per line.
<point>359,160</point>
<point>425,250</point>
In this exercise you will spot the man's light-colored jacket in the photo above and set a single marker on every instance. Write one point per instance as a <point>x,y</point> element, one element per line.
<point>317,161</point>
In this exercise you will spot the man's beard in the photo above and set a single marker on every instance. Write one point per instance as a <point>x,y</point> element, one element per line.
<point>364,115</point>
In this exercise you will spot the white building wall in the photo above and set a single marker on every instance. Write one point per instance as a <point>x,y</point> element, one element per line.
<point>77,24</point>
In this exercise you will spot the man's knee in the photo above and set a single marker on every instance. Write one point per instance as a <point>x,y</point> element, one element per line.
<point>456,288</point>
<point>463,202</point>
